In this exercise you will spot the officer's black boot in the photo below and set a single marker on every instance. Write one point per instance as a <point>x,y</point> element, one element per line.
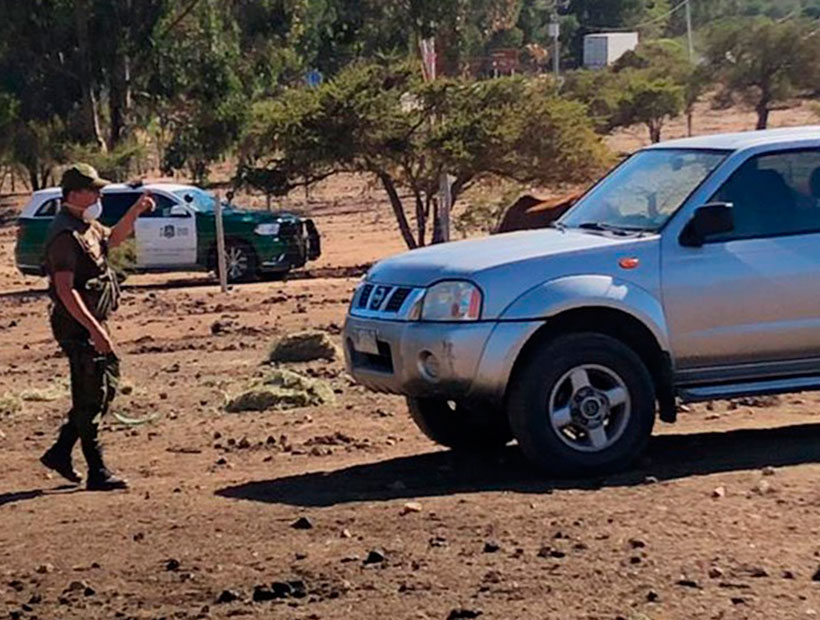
<point>58,457</point>
<point>99,478</point>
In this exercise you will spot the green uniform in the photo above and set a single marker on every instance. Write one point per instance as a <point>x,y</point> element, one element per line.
<point>82,249</point>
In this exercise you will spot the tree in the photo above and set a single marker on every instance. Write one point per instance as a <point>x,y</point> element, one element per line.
<point>763,62</point>
<point>378,121</point>
<point>665,59</point>
<point>649,101</point>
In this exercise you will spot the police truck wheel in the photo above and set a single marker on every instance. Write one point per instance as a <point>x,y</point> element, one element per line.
<point>240,261</point>
<point>459,427</point>
<point>584,404</point>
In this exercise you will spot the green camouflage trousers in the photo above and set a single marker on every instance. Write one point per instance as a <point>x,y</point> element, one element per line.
<point>94,382</point>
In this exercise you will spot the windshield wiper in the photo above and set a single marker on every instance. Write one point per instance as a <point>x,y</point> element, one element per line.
<point>618,230</point>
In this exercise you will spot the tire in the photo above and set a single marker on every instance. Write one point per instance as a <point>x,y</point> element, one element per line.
<point>452,424</point>
<point>561,410</point>
<point>240,261</point>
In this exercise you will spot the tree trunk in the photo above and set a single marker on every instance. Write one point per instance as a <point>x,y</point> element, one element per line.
<point>398,210</point>
<point>91,113</point>
<point>689,119</point>
<point>762,110</point>
<point>119,99</point>
<point>655,131</point>
<point>421,219</point>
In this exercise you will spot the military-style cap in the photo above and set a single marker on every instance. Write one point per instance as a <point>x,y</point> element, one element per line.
<point>82,176</point>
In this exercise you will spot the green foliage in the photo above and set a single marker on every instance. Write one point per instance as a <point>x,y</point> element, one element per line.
<point>377,120</point>
<point>115,164</point>
<point>648,100</point>
<point>763,62</point>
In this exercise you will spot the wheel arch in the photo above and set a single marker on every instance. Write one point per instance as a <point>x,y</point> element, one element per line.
<point>616,323</point>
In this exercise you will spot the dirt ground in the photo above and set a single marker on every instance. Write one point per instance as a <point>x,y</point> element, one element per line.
<point>721,519</point>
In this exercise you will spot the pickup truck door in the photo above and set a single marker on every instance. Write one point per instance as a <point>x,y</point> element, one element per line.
<point>166,236</point>
<point>749,300</point>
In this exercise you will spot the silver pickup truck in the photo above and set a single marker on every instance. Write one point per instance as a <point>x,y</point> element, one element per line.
<point>690,272</point>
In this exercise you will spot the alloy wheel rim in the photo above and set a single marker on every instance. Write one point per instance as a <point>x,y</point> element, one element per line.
<point>589,408</point>
<point>237,262</point>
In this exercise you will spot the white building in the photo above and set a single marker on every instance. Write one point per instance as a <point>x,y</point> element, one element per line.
<point>603,48</point>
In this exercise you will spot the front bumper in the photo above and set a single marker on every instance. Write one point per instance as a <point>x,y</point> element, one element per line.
<point>474,360</point>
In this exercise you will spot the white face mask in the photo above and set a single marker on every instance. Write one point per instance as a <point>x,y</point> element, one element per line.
<point>93,212</point>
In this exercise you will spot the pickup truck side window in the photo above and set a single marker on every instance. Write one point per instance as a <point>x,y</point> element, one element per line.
<point>163,208</point>
<point>773,195</point>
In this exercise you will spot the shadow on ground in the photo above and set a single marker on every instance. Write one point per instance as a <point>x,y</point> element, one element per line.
<point>669,457</point>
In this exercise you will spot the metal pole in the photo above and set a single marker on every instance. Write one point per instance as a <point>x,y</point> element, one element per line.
<point>689,30</point>
<point>220,247</point>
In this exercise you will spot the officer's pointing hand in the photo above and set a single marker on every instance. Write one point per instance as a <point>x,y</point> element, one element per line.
<point>145,203</point>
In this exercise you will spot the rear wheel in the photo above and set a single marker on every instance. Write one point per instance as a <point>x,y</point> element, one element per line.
<point>457,426</point>
<point>583,404</point>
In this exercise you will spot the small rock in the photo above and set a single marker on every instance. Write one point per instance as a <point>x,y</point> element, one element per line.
<point>227,596</point>
<point>768,471</point>
<point>787,574</point>
<point>650,480</point>
<point>346,534</point>
<point>46,568</point>
<point>637,543</point>
<point>76,586</point>
<point>491,546</point>
<point>410,507</point>
<point>459,614</point>
<point>738,600</point>
<point>549,552</point>
<point>172,564</point>
<point>264,593</point>
<point>375,556</point>
<point>89,591</point>
<point>302,523</point>
<point>715,572</point>
<point>652,596</point>
<point>687,583</point>
<point>763,487</point>
<point>719,492</point>
<point>816,576</point>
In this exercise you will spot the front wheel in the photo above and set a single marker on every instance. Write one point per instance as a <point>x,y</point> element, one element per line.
<point>583,404</point>
<point>240,261</point>
<point>458,426</point>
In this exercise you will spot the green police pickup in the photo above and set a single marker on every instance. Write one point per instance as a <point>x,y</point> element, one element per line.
<point>180,233</point>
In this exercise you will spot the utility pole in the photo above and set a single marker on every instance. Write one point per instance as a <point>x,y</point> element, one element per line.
<point>428,56</point>
<point>689,30</point>
<point>554,30</point>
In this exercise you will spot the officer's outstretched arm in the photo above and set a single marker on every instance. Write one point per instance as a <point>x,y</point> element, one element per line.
<point>125,226</point>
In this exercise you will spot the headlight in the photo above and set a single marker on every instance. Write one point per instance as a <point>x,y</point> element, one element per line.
<point>271,229</point>
<point>452,301</point>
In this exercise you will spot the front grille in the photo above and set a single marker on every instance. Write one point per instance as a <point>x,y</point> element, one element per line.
<point>365,295</point>
<point>290,229</point>
<point>397,299</point>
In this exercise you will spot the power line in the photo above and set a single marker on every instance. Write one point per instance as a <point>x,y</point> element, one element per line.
<point>644,24</point>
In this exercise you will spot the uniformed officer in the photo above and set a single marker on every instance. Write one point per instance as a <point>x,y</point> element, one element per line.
<point>84,291</point>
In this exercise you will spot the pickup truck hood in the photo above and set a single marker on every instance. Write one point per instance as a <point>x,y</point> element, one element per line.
<point>507,265</point>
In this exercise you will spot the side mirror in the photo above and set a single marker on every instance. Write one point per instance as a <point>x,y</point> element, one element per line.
<point>711,219</point>
<point>178,211</point>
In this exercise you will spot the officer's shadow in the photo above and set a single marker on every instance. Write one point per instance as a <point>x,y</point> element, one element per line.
<point>22,496</point>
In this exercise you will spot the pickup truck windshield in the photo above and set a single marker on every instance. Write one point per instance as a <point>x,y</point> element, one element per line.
<point>199,199</point>
<point>644,191</point>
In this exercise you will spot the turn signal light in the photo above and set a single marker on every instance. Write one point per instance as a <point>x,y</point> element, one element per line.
<point>629,262</point>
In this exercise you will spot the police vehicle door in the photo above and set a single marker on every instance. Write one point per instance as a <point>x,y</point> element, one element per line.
<point>166,236</point>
